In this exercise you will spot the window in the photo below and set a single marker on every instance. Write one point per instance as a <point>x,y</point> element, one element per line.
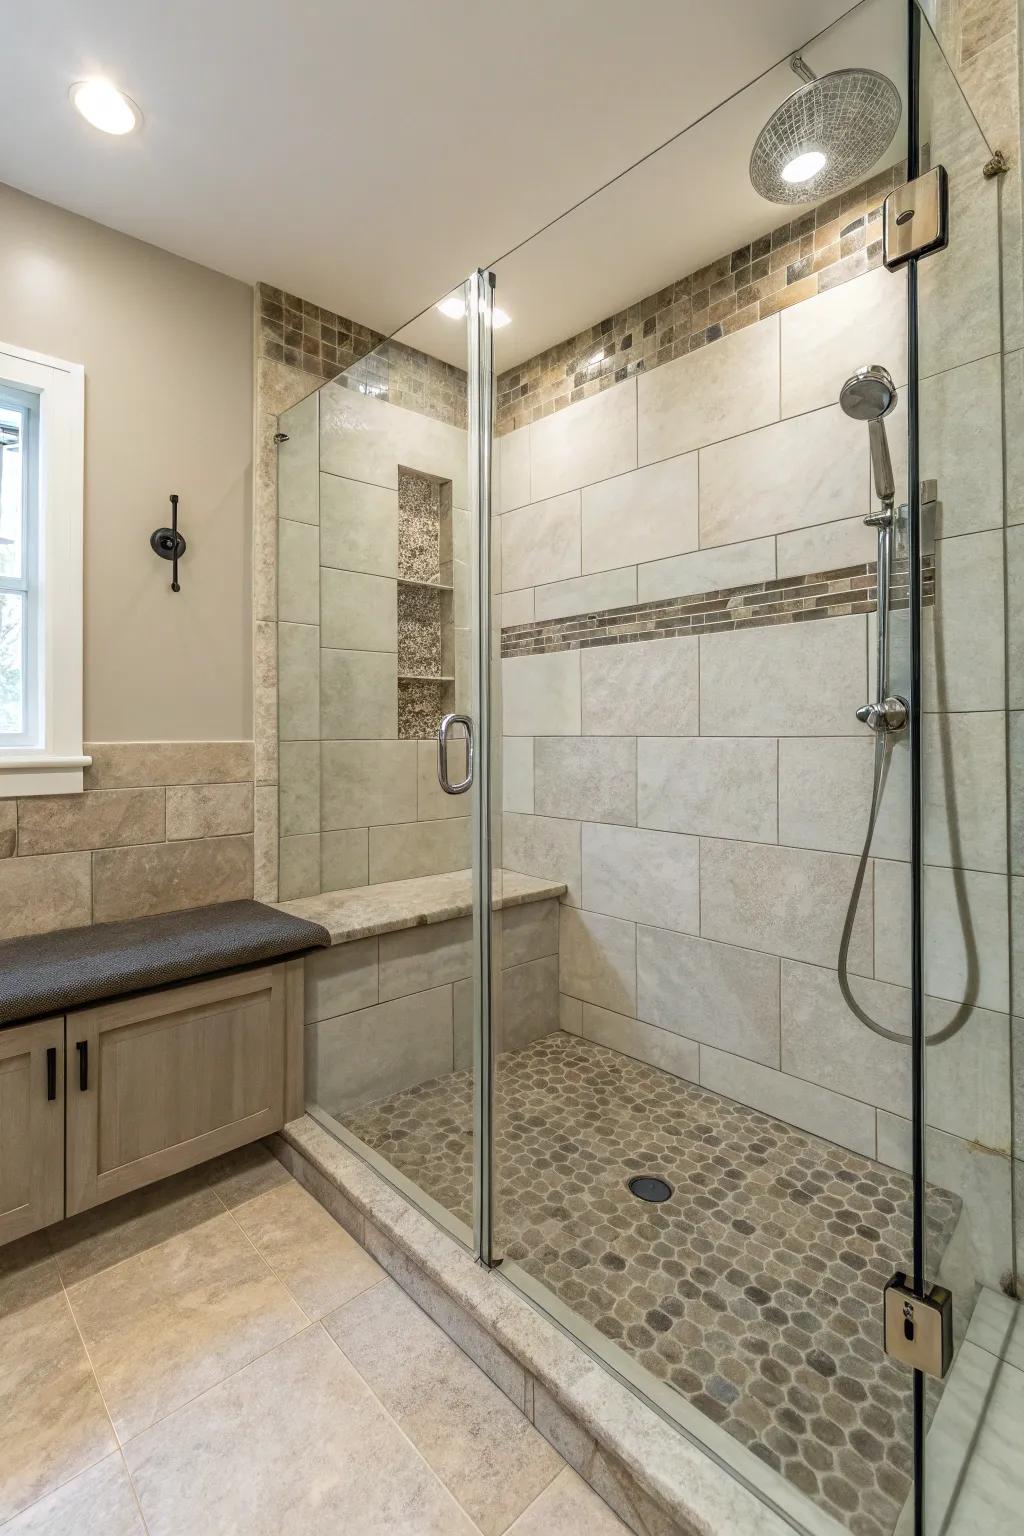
<point>41,435</point>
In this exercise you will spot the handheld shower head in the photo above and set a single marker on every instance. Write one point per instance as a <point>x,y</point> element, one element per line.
<point>869,395</point>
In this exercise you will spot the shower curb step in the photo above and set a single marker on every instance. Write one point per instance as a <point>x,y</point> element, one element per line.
<point>656,1480</point>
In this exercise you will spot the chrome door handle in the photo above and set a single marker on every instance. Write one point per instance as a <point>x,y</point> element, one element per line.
<point>442,754</point>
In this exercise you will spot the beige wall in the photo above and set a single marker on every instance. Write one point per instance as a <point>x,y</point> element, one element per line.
<point>167,350</point>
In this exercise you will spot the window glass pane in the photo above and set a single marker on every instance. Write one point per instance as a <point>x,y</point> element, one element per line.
<point>12,667</point>
<point>12,443</point>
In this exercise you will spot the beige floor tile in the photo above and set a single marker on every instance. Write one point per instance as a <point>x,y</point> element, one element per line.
<point>570,1508</point>
<point>296,1442</point>
<point>246,1174</point>
<point>99,1502</point>
<point>52,1421</point>
<point>107,1235</point>
<point>478,1443</point>
<point>172,1321</point>
<point>317,1260</point>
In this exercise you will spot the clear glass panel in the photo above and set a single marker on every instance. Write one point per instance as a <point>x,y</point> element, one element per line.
<point>376,609</point>
<point>679,493</point>
<point>13,434</point>
<point>971,1482</point>
<point>12,664</point>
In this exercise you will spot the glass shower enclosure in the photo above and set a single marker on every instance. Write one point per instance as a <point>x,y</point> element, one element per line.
<point>718,1051</point>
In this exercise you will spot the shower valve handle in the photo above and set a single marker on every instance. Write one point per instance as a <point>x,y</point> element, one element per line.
<point>889,715</point>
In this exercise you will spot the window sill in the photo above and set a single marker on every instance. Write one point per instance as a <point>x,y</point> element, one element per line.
<point>41,773</point>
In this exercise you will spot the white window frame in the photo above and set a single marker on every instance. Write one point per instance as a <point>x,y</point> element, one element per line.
<point>54,763</point>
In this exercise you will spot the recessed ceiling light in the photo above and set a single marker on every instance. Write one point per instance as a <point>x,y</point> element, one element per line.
<point>105,107</point>
<point>454,308</point>
<point>803,167</point>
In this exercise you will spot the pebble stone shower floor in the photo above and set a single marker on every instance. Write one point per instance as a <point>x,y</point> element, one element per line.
<point>755,1291</point>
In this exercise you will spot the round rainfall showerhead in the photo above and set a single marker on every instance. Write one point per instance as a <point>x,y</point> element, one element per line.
<point>825,136</point>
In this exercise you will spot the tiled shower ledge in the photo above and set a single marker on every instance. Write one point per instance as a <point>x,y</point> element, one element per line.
<point>370,910</point>
<point>655,1478</point>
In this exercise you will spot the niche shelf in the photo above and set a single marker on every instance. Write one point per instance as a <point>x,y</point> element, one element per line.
<point>426,642</point>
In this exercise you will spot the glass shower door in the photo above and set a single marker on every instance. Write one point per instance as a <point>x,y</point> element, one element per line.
<point>970,1425</point>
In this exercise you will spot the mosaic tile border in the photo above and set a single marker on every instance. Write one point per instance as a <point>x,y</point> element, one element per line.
<point>783,600</point>
<point>828,245</point>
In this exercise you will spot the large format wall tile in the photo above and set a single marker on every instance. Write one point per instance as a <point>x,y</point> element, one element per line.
<point>593,441</point>
<point>358,526</point>
<point>586,594</point>
<point>357,612</point>
<point>597,960</point>
<point>368,783</point>
<point>433,803</point>
<point>102,818</point>
<point>716,392</point>
<point>529,932</point>
<point>358,695</point>
<point>298,866</point>
<point>648,877</point>
<point>517,774</point>
<point>804,470</point>
<point>513,470</point>
<point>826,547</point>
<point>298,573</point>
<point>344,859</point>
<point>400,852</point>
<point>964,789</point>
<point>818,1110</point>
<point>586,777</point>
<point>298,682</point>
<point>300,787</point>
<point>963,636</point>
<point>647,514</point>
<point>707,570</point>
<point>787,901</point>
<point>789,680</point>
<point>965,927</point>
<point>126,764</point>
<point>720,786</point>
<point>164,877</point>
<point>825,1043</point>
<point>658,1047</point>
<point>540,542</point>
<point>208,810</point>
<point>714,993</point>
<point>961,428</point>
<point>370,1054</point>
<point>297,459</point>
<point>827,338</point>
<point>363,438</point>
<point>529,1002</point>
<point>543,846</point>
<point>825,793</point>
<point>341,979</point>
<point>640,689</point>
<point>541,694</point>
<point>418,959</point>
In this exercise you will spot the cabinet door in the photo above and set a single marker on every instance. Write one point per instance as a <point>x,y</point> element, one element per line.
<point>31,1127</point>
<point>159,1082</point>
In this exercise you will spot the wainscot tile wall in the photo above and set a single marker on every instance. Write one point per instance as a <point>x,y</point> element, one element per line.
<point>159,826</point>
<point>809,254</point>
<point>704,794</point>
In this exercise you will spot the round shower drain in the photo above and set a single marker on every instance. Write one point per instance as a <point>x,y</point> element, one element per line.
<point>647,1188</point>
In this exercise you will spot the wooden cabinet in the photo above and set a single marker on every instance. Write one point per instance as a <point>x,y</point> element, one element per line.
<point>31,1127</point>
<point>159,1082</point>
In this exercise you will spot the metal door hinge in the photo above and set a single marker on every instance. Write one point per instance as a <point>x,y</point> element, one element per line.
<point>915,218</point>
<point>918,1330</point>
<point>997,166</point>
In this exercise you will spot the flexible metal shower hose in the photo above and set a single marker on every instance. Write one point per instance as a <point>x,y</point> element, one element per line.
<point>881,769</point>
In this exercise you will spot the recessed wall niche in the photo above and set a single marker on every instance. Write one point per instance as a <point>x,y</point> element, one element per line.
<point>426,642</point>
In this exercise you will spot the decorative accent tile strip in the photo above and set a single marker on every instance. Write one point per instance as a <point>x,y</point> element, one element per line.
<point>824,247</point>
<point>784,600</point>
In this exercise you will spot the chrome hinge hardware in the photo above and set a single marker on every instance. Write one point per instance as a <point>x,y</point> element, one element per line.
<point>919,1329</point>
<point>998,165</point>
<point>915,218</point>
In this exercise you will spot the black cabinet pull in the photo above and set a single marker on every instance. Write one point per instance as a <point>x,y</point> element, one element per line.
<point>51,1072</point>
<point>83,1064</point>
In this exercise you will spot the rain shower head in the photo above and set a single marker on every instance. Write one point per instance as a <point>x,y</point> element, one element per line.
<point>826,135</point>
<point>869,395</point>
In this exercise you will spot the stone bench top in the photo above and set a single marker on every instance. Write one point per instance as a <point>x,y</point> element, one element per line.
<point>370,910</point>
<point>51,973</point>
